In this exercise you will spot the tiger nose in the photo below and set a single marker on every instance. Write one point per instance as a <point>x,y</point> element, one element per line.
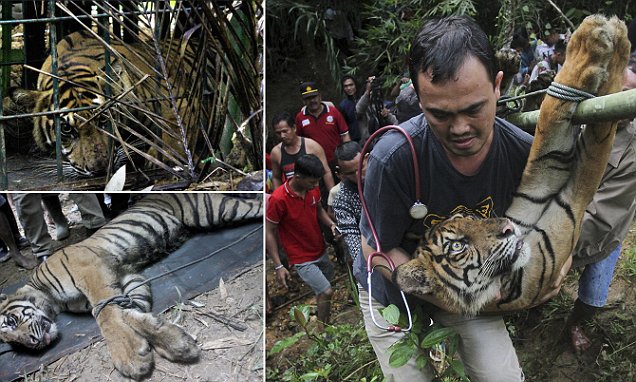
<point>508,228</point>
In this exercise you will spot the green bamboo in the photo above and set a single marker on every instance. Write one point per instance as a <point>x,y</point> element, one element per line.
<point>612,107</point>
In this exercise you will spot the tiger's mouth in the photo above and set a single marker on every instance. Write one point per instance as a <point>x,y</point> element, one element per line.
<point>41,338</point>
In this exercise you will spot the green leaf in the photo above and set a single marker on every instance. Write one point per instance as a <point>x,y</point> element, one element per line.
<point>392,314</point>
<point>401,353</point>
<point>300,314</point>
<point>421,361</point>
<point>436,336</point>
<point>458,368</point>
<point>285,343</point>
<point>525,9</point>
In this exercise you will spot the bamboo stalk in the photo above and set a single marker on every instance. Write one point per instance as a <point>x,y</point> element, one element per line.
<point>611,107</point>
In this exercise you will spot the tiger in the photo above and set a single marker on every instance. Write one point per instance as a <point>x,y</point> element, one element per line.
<point>509,263</point>
<point>86,135</point>
<point>80,277</point>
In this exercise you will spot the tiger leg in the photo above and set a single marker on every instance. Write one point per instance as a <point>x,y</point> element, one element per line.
<point>134,287</point>
<point>598,138</point>
<point>130,352</point>
<point>169,340</point>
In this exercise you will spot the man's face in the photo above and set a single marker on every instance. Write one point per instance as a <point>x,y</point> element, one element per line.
<point>461,111</point>
<point>349,87</point>
<point>558,58</point>
<point>313,103</point>
<point>305,183</point>
<point>285,133</point>
<point>348,169</point>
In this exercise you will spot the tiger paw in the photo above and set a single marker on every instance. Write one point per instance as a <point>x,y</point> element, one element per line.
<point>593,53</point>
<point>174,344</point>
<point>131,353</point>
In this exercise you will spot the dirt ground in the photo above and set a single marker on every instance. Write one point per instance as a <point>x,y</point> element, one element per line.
<point>227,354</point>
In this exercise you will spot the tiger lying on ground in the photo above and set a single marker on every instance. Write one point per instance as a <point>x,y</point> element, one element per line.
<point>467,262</point>
<point>77,277</point>
<point>83,80</point>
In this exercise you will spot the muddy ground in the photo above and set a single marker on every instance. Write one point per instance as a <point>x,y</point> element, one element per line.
<point>227,354</point>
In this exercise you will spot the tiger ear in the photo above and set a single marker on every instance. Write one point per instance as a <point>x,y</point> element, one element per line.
<point>3,297</point>
<point>20,101</point>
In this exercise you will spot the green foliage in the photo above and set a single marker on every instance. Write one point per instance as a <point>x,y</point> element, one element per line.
<point>627,265</point>
<point>340,353</point>
<point>429,344</point>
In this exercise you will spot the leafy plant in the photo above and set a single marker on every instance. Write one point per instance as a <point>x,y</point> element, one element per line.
<point>435,345</point>
<point>340,353</point>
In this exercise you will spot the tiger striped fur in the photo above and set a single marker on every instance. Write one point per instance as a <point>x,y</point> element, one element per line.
<point>77,277</point>
<point>505,264</point>
<point>86,135</point>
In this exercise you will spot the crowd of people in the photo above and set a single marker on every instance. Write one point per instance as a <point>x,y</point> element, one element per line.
<point>447,103</point>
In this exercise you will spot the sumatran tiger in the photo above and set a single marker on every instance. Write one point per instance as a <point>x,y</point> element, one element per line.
<point>505,264</point>
<point>78,277</point>
<point>83,79</point>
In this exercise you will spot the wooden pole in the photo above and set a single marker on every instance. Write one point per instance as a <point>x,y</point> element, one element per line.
<point>612,107</point>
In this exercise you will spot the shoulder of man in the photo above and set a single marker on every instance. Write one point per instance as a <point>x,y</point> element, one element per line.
<point>393,141</point>
<point>512,132</point>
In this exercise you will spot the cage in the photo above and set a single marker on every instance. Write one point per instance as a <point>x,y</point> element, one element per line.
<point>167,90</point>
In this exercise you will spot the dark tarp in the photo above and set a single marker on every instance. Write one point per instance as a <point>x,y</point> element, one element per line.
<point>77,331</point>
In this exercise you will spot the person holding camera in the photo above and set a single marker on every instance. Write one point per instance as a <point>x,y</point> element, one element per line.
<point>371,112</point>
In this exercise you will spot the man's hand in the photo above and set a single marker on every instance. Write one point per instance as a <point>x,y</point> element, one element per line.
<point>556,286</point>
<point>282,274</point>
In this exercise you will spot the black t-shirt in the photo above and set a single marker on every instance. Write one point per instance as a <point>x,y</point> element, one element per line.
<point>390,183</point>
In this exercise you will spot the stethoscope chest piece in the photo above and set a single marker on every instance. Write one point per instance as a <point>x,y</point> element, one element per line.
<point>418,210</point>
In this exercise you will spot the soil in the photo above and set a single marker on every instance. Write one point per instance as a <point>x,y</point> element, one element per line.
<point>227,354</point>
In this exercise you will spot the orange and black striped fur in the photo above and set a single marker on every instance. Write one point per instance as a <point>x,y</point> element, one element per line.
<point>86,135</point>
<point>77,277</point>
<point>470,263</point>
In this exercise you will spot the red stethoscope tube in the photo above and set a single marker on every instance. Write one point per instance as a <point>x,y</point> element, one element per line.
<point>417,211</point>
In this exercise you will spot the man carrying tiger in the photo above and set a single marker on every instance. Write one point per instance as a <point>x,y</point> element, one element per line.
<point>471,163</point>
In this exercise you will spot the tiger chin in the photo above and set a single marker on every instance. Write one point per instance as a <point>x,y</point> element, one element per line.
<point>472,265</point>
<point>464,261</point>
<point>80,277</point>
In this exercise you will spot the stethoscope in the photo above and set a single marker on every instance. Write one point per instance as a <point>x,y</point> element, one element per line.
<point>417,211</point>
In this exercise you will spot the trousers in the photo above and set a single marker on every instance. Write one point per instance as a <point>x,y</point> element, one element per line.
<point>485,347</point>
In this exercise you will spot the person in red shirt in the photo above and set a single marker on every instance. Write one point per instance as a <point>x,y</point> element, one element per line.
<point>321,121</point>
<point>293,215</point>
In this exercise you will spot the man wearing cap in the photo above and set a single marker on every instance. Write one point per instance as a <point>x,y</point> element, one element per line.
<point>321,121</point>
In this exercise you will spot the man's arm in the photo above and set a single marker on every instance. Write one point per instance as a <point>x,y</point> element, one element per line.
<point>275,158</point>
<point>271,244</point>
<point>325,220</point>
<point>314,147</point>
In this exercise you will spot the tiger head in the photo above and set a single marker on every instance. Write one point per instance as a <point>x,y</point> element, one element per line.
<point>27,319</point>
<point>84,145</point>
<point>461,261</point>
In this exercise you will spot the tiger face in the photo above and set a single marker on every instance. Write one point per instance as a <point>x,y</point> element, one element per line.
<point>84,146</point>
<point>26,322</point>
<point>138,122</point>
<point>462,259</point>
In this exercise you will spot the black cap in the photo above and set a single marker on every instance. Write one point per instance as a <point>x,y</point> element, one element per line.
<point>308,89</point>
